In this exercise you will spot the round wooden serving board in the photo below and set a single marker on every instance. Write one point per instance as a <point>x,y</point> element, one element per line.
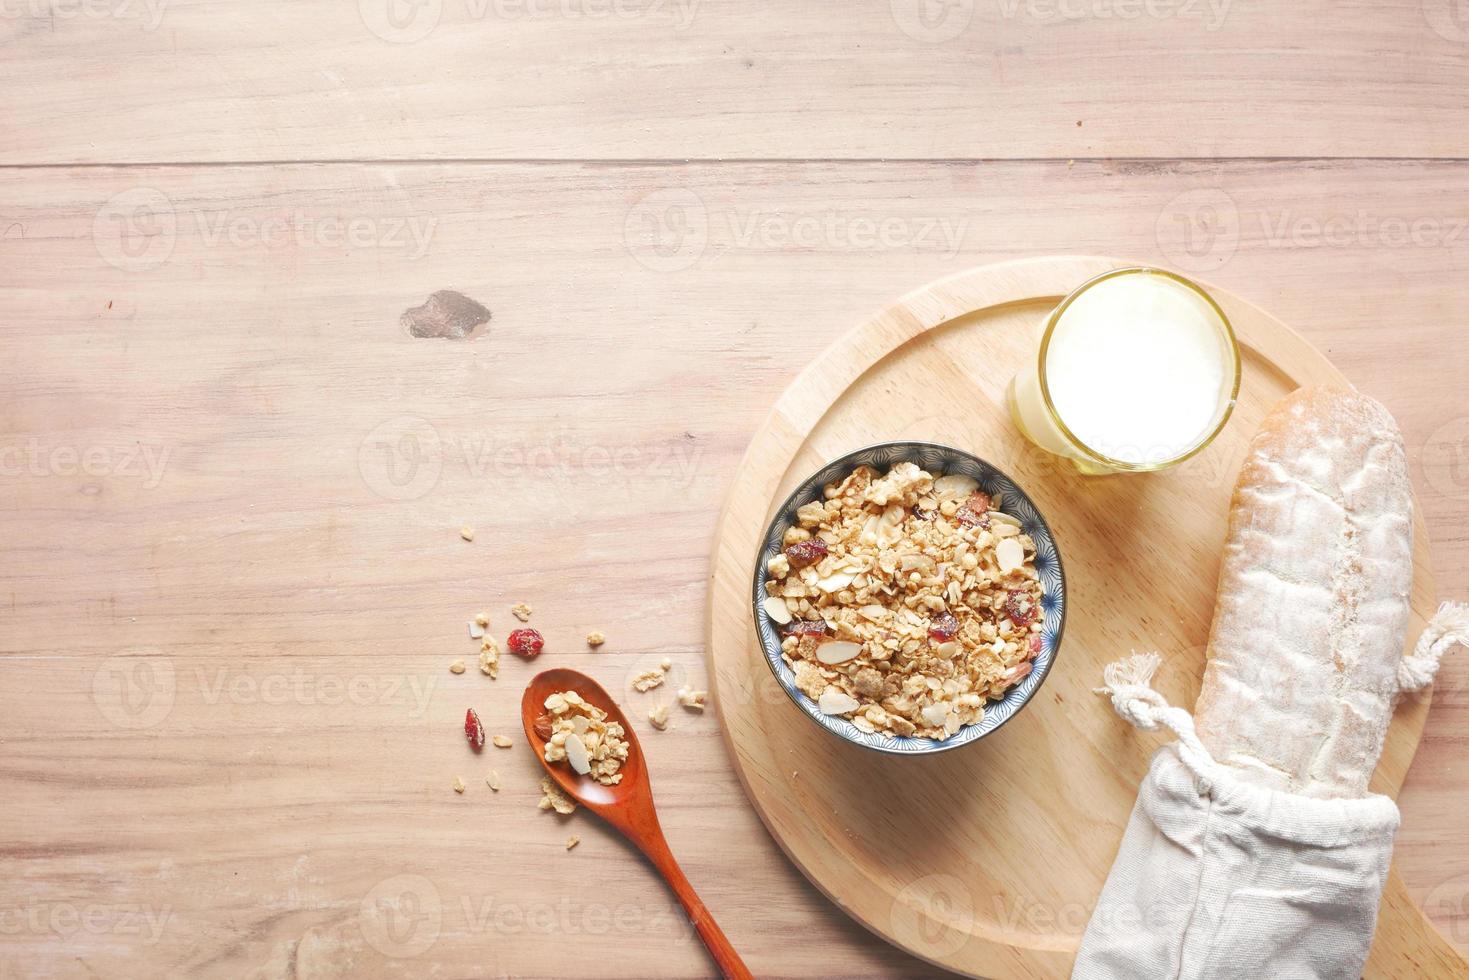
<point>987,860</point>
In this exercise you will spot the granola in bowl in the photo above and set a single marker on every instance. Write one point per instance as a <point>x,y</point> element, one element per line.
<point>907,601</point>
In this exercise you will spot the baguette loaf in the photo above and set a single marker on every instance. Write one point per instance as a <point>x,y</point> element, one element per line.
<point>1313,598</point>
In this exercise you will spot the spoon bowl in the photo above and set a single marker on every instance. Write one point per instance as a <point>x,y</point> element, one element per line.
<point>628,805</point>
<point>611,803</point>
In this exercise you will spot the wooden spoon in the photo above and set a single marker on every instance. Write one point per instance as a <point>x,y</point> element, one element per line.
<point>628,806</point>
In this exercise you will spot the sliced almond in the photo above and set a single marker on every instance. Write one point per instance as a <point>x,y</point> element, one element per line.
<point>947,650</point>
<point>476,631</point>
<point>835,582</point>
<point>776,608</point>
<point>838,651</point>
<point>955,486</point>
<point>1004,530</point>
<point>1009,555</point>
<point>1000,517</point>
<point>835,702</point>
<point>577,756</point>
<point>873,611</point>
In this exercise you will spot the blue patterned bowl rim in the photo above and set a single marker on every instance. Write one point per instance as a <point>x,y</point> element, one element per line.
<point>937,459</point>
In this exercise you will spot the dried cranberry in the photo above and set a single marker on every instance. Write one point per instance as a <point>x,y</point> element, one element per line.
<point>527,643</point>
<point>943,627</point>
<point>807,552</point>
<point>473,730</point>
<point>1035,644</point>
<point>975,510</point>
<point>1020,607</point>
<point>807,627</point>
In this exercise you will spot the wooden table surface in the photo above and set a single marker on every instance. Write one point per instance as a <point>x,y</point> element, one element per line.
<point>232,578</point>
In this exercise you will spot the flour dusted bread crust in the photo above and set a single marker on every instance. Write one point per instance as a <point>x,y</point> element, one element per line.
<point>1313,598</point>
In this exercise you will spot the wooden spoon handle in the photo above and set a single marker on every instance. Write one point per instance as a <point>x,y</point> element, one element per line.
<point>655,847</point>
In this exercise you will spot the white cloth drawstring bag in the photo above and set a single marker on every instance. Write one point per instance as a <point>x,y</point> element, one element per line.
<point>1221,879</point>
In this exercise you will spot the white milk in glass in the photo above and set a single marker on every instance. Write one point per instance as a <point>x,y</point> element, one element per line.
<point>1141,370</point>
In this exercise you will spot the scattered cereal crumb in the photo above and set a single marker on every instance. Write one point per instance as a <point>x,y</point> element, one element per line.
<point>658,717</point>
<point>553,799</point>
<point>476,631</point>
<point>457,667</point>
<point>502,741</point>
<point>666,664</point>
<point>596,638</point>
<point>489,658</point>
<point>482,619</point>
<point>572,841</point>
<point>493,781</point>
<point>648,679</point>
<point>467,533</point>
<point>691,699</point>
<point>458,785</point>
<point>522,611</point>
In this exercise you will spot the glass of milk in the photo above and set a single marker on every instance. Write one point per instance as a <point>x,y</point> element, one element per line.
<point>1138,370</point>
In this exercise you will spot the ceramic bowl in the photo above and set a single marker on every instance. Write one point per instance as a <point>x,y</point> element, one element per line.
<point>938,460</point>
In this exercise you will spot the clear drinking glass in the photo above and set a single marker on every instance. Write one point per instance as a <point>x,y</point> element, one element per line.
<point>1127,369</point>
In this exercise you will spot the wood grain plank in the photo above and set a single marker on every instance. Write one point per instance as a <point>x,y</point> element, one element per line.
<point>281,546</point>
<point>115,81</point>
